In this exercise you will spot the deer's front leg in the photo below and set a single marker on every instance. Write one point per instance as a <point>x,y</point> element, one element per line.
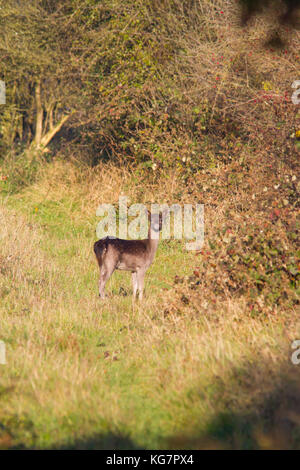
<point>134,284</point>
<point>140,282</point>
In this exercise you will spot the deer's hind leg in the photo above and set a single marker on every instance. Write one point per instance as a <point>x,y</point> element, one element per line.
<point>106,269</point>
<point>105,274</point>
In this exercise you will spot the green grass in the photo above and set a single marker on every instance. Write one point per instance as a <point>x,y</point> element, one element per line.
<point>83,373</point>
<point>61,241</point>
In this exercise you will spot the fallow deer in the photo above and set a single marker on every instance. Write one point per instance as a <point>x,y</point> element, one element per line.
<point>128,255</point>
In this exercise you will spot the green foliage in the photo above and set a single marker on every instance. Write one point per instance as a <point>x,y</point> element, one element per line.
<point>19,171</point>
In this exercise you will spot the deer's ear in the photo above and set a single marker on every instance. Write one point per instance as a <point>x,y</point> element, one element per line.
<point>147,213</point>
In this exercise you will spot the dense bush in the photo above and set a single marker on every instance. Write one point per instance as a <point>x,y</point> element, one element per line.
<point>145,82</point>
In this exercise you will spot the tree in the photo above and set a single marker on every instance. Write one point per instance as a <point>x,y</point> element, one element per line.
<point>45,51</point>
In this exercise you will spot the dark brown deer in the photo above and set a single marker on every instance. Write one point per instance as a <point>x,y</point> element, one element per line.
<point>128,255</point>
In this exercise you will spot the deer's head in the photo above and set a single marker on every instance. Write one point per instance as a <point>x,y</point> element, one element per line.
<point>156,220</point>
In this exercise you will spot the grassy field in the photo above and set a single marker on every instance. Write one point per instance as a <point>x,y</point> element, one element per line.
<point>113,374</point>
<point>169,101</point>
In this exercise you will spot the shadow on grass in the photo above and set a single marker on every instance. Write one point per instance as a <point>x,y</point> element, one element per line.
<point>258,408</point>
<point>107,441</point>
<point>270,421</point>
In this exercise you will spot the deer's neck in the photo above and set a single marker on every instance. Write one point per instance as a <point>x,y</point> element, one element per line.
<point>152,242</point>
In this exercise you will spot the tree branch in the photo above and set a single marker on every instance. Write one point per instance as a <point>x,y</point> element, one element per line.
<point>51,133</point>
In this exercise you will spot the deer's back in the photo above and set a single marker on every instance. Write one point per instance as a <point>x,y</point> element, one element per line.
<point>128,255</point>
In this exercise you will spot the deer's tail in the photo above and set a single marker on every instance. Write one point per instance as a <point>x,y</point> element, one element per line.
<point>100,248</point>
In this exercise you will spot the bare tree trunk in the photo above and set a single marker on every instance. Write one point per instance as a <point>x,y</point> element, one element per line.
<point>39,115</point>
<point>48,124</point>
<point>51,118</point>
<point>41,140</point>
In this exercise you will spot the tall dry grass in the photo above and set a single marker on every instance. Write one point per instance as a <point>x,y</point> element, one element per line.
<point>187,368</point>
